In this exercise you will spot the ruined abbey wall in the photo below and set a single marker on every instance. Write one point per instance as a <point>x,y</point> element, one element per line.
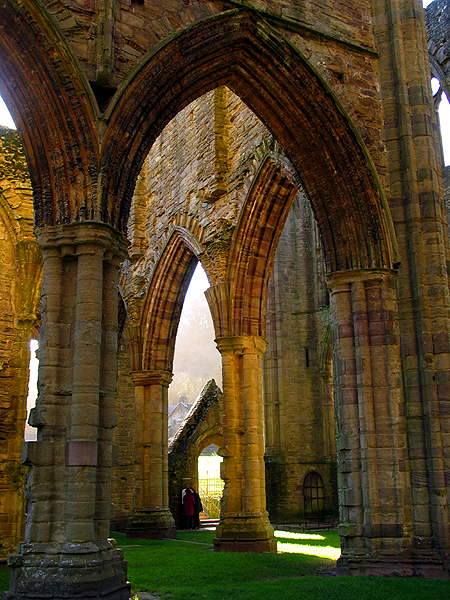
<point>298,398</point>
<point>196,180</point>
<point>195,177</point>
<point>91,86</point>
<point>221,122</point>
<point>19,294</point>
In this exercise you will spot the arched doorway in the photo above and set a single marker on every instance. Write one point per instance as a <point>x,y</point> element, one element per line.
<point>210,483</point>
<point>314,495</point>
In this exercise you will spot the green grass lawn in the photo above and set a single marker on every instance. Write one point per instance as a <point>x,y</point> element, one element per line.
<point>4,579</point>
<point>188,569</point>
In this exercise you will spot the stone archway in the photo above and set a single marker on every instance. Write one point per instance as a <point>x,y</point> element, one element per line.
<point>234,50</point>
<point>82,197</point>
<point>201,427</point>
<point>369,244</point>
<point>151,345</point>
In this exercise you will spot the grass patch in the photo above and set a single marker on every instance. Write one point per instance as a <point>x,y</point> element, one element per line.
<point>182,567</point>
<point>188,569</point>
<point>4,579</point>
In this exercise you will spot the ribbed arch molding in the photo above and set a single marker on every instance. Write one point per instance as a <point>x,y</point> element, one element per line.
<point>240,50</point>
<point>254,244</point>
<point>55,113</point>
<point>164,303</point>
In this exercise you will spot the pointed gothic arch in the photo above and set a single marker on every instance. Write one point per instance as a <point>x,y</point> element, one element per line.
<point>255,242</point>
<point>55,112</point>
<point>164,302</point>
<point>240,50</point>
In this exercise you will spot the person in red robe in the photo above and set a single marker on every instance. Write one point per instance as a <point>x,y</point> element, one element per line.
<point>188,504</point>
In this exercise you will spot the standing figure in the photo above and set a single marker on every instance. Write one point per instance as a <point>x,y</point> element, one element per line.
<point>198,508</point>
<point>188,504</point>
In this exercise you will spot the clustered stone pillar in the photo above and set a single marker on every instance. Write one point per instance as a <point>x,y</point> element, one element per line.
<point>244,522</point>
<point>66,553</point>
<point>376,519</point>
<point>151,515</point>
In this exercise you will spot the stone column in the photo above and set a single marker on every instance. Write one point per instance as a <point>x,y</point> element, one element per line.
<point>66,553</point>
<point>151,515</point>
<point>244,522</point>
<point>376,519</point>
<point>414,193</point>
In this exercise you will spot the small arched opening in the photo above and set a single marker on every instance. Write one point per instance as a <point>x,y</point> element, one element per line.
<point>210,483</point>
<point>313,495</point>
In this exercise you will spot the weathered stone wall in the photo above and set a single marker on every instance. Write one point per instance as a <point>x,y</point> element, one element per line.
<point>299,410</point>
<point>196,177</point>
<point>20,274</point>
<point>446,182</point>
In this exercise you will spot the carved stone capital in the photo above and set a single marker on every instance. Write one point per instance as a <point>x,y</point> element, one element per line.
<point>147,378</point>
<point>73,239</point>
<point>242,344</point>
<point>343,280</point>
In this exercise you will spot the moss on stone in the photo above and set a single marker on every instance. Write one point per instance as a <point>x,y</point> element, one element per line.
<point>13,164</point>
<point>16,472</point>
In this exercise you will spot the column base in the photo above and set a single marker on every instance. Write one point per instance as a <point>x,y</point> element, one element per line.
<point>151,525</point>
<point>245,534</point>
<point>65,571</point>
<point>430,565</point>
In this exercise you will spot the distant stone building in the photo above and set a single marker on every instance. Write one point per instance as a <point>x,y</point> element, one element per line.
<point>177,415</point>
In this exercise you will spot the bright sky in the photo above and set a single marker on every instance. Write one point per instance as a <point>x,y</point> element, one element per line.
<point>5,117</point>
<point>199,284</point>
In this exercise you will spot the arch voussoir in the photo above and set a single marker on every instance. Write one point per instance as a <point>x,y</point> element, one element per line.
<point>240,50</point>
<point>55,113</point>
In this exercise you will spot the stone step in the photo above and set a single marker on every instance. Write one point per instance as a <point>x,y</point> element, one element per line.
<point>209,522</point>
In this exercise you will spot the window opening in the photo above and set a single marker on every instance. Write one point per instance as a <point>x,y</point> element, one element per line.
<point>30,434</point>
<point>196,360</point>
